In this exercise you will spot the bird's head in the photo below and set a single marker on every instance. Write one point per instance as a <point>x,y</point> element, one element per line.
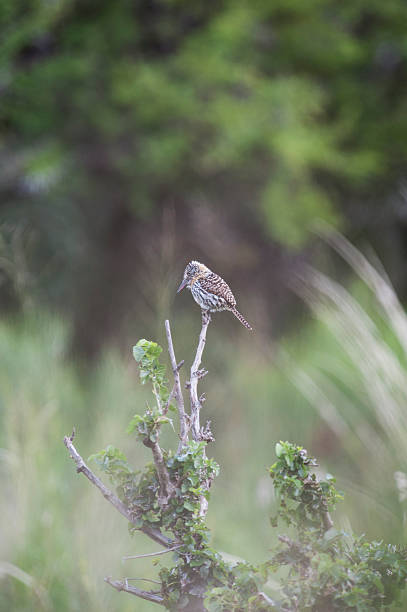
<point>193,271</point>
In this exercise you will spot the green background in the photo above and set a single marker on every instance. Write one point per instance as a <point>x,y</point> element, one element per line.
<point>135,136</point>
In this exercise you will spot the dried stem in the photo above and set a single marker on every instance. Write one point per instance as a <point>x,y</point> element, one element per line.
<point>199,433</point>
<point>327,521</point>
<point>167,489</point>
<point>154,554</point>
<point>154,534</point>
<point>143,580</point>
<point>169,400</point>
<point>183,418</point>
<point>124,586</point>
<point>266,599</point>
<point>82,467</point>
<point>196,374</point>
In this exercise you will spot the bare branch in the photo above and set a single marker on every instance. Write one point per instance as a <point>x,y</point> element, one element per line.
<point>167,489</point>
<point>144,580</point>
<point>153,554</point>
<point>154,534</point>
<point>261,595</point>
<point>169,400</point>
<point>181,363</point>
<point>286,540</point>
<point>327,521</point>
<point>183,418</point>
<point>199,433</point>
<point>119,585</point>
<point>196,374</point>
<point>82,467</point>
<point>157,536</point>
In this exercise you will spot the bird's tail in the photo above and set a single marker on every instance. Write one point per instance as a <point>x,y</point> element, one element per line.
<point>241,318</point>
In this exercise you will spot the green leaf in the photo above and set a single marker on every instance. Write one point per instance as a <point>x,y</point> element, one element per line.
<point>135,421</point>
<point>189,506</point>
<point>138,352</point>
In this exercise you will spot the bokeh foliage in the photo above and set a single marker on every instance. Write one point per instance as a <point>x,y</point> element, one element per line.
<point>272,114</point>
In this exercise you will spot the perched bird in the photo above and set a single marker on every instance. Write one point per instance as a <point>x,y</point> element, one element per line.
<point>209,290</point>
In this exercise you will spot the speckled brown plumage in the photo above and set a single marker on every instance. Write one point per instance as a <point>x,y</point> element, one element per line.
<point>210,291</point>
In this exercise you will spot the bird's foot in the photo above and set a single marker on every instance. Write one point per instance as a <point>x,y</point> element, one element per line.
<point>206,317</point>
<point>200,373</point>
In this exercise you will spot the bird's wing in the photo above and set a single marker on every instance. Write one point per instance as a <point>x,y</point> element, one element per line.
<point>216,285</point>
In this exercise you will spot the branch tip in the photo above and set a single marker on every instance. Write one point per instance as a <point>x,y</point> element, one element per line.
<point>183,420</point>
<point>123,585</point>
<point>196,374</point>
<point>179,366</point>
<point>154,534</point>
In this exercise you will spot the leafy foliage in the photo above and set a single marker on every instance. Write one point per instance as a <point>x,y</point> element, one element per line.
<point>305,499</point>
<point>327,569</point>
<point>147,354</point>
<point>241,591</point>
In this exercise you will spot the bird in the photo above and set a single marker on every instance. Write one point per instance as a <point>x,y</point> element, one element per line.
<point>210,291</point>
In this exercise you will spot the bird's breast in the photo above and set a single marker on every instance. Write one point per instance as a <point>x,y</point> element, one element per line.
<point>206,299</point>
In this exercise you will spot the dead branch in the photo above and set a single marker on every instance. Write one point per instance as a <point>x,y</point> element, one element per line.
<point>154,534</point>
<point>327,521</point>
<point>152,596</point>
<point>157,536</point>
<point>183,418</point>
<point>154,554</point>
<point>198,433</point>
<point>169,400</point>
<point>261,595</point>
<point>143,580</point>
<point>196,374</point>
<point>82,467</point>
<point>167,489</point>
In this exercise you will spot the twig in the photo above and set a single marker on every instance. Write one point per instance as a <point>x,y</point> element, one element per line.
<point>199,434</point>
<point>153,554</point>
<point>286,540</point>
<point>167,489</point>
<point>183,419</point>
<point>154,534</point>
<point>196,374</point>
<point>82,467</point>
<point>157,536</point>
<point>169,400</point>
<point>327,521</point>
<point>143,580</point>
<point>123,586</point>
<point>265,598</point>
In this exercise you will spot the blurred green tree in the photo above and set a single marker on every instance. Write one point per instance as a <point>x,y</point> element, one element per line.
<point>265,115</point>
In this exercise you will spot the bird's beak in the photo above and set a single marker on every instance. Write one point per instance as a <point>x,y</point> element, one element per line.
<point>182,285</point>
